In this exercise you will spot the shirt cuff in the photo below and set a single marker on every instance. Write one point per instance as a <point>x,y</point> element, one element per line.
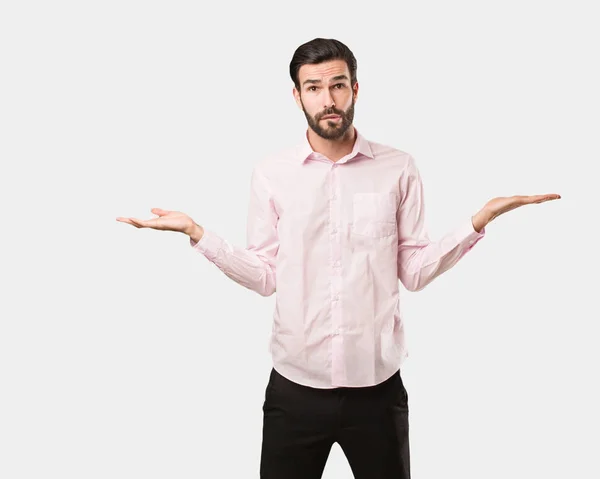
<point>467,234</point>
<point>209,245</point>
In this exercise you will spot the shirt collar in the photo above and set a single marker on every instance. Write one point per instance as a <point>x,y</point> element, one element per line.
<point>361,146</point>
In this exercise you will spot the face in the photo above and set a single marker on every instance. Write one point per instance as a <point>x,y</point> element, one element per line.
<point>325,90</point>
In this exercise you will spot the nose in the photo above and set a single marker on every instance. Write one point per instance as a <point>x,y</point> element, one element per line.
<point>327,99</point>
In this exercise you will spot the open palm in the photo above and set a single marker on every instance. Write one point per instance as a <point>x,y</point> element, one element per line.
<point>497,206</point>
<point>166,220</point>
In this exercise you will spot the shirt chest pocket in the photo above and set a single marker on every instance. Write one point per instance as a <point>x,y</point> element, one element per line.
<point>374,214</point>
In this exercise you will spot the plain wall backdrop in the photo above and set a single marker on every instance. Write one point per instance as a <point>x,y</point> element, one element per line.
<point>125,354</point>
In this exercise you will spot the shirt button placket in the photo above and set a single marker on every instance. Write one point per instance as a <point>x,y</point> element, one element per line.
<point>337,352</point>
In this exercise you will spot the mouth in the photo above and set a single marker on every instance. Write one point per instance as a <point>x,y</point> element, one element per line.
<point>331,117</point>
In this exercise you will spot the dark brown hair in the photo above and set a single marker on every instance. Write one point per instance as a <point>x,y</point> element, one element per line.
<point>321,50</point>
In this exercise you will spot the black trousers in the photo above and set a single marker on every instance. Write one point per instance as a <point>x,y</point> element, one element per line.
<point>300,425</point>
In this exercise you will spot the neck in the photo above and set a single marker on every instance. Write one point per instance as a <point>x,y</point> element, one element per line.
<point>333,149</point>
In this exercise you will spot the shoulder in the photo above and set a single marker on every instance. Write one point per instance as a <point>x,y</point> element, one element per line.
<point>283,156</point>
<point>398,157</point>
<point>276,166</point>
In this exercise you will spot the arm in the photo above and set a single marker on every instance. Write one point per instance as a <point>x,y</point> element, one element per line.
<point>420,260</point>
<point>254,266</point>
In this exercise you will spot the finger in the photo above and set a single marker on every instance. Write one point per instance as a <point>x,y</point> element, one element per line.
<point>128,221</point>
<point>533,198</point>
<point>527,200</point>
<point>137,222</point>
<point>153,223</point>
<point>548,197</point>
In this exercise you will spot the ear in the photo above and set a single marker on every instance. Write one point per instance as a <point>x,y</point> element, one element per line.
<point>296,94</point>
<point>355,91</point>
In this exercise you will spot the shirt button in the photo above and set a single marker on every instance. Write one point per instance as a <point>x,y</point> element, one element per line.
<point>336,264</point>
<point>334,231</point>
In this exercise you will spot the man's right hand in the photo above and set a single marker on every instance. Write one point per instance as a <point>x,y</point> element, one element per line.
<point>168,221</point>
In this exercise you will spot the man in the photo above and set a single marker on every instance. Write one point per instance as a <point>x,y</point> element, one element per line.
<point>333,224</point>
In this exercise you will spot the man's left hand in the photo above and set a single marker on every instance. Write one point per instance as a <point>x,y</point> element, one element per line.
<point>497,206</point>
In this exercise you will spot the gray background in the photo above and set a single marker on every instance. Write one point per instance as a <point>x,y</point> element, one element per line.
<point>125,354</point>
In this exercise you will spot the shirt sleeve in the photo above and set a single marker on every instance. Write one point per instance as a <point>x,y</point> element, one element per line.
<point>421,260</point>
<point>254,266</point>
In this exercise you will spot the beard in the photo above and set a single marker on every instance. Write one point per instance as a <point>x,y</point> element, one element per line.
<point>333,130</point>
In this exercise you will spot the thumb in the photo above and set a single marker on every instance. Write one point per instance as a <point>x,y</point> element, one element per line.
<point>159,212</point>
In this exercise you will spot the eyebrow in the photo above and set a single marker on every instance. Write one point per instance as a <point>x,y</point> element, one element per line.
<point>335,78</point>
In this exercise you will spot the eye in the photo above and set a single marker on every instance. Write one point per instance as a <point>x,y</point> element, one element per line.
<point>341,85</point>
<point>310,88</point>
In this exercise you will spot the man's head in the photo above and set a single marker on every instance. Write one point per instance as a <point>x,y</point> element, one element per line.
<point>325,84</point>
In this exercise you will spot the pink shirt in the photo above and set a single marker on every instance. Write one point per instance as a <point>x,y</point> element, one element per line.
<point>333,239</point>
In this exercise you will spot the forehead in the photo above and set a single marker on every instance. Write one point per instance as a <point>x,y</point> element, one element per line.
<point>323,71</point>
